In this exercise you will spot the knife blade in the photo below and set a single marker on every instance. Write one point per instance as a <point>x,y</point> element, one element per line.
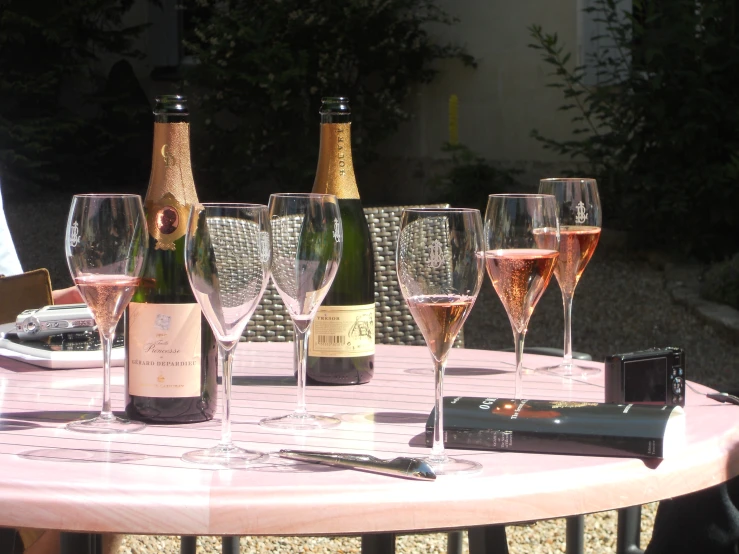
<point>412,468</point>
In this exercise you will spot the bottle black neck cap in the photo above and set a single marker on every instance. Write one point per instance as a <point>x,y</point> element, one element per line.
<point>171,108</point>
<point>335,109</point>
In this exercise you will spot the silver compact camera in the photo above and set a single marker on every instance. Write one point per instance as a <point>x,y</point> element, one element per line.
<point>54,320</point>
<point>655,376</point>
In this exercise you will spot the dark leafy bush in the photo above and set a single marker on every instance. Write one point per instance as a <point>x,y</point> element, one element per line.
<point>470,179</point>
<point>62,124</point>
<point>661,130</point>
<point>262,68</point>
<point>721,282</point>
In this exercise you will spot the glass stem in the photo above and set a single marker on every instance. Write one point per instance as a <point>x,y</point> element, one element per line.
<point>226,355</point>
<point>437,448</point>
<point>107,342</point>
<point>567,303</point>
<point>301,347</point>
<point>518,339</point>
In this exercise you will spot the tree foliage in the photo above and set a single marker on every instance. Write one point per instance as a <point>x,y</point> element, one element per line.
<point>262,68</point>
<point>660,130</point>
<point>57,117</point>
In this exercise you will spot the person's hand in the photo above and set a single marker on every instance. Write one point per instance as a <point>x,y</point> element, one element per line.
<point>67,296</point>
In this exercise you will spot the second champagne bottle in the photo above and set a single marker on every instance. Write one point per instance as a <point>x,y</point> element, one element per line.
<point>170,352</point>
<point>341,349</point>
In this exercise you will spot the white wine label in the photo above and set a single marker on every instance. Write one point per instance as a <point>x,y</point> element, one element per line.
<point>163,350</point>
<point>343,332</point>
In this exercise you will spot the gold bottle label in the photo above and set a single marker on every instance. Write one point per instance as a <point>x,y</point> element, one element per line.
<point>171,187</point>
<point>335,172</point>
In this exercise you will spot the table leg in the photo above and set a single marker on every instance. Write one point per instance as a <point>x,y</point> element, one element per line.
<point>380,543</point>
<point>8,541</point>
<point>487,539</point>
<point>80,543</point>
<point>629,531</point>
<point>188,544</point>
<point>230,545</point>
<point>575,534</point>
<point>454,542</point>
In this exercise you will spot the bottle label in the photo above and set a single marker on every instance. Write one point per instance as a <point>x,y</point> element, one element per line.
<point>343,332</point>
<point>164,350</point>
<point>167,221</point>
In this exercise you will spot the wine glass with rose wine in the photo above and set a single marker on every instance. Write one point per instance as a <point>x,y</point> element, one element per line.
<point>522,242</point>
<point>227,257</point>
<point>307,241</point>
<point>579,212</point>
<point>105,244</point>
<point>440,270</point>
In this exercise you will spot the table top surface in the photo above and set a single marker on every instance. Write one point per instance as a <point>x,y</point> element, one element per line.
<point>149,490</point>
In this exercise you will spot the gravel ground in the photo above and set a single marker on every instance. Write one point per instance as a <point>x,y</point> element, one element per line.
<point>621,305</point>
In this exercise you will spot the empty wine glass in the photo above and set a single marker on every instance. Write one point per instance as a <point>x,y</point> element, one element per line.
<point>440,270</point>
<point>578,208</point>
<point>522,243</point>
<point>307,240</point>
<point>105,245</point>
<point>227,257</point>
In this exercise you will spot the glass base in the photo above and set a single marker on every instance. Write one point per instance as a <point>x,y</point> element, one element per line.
<point>453,466</point>
<point>224,456</point>
<point>569,370</point>
<point>106,424</point>
<point>300,422</point>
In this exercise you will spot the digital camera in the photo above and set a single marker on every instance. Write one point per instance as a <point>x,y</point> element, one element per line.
<point>54,320</point>
<point>655,376</point>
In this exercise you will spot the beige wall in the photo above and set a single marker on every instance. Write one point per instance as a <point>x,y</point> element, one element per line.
<point>502,100</point>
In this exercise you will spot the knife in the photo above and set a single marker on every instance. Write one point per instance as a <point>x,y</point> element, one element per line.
<point>413,468</point>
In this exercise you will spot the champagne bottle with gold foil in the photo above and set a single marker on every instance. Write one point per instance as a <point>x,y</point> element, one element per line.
<point>341,347</point>
<point>170,352</point>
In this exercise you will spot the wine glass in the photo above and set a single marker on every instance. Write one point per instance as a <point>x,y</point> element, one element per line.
<point>105,244</point>
<point>522,243</point>
<point>307,241</point>
<point>440,270</point>
<point>578,208</point>
<point>227,257</point>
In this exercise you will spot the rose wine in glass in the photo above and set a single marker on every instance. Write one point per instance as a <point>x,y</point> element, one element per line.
<point>105,245</point>
<point>440,270</point>
<point>579,212</point>
<point>227,258</point>
<point>307,239</point>
<point>522,241</point>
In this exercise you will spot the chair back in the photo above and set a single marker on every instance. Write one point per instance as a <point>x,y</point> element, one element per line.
<point>394,323</point>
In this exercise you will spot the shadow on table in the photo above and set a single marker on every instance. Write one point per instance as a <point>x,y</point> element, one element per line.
<point>50,416</point>
<point>399,417</point>
<point>275,464</point>
<point>382,418</point>
<point>459,371</point>
<point>15,425</point>
<point>89,455</point>
<point>262,381</point>
<point>419,441</point>
<point>473,371</point>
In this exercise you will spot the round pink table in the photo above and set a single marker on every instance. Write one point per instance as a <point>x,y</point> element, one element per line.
<point>151,491</point>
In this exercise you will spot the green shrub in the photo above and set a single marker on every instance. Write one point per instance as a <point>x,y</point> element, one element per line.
<point>721,282</point>
<point>661,130</point>
<point>262,68</point>
<point>48,50</point>
<point>470,179</point>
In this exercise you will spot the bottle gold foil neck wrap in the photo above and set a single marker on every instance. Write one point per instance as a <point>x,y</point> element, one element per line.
<point>171,186</point>
<point>335,172</point>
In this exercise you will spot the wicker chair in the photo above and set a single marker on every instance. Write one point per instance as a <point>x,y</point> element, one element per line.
<point>393,321</point>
